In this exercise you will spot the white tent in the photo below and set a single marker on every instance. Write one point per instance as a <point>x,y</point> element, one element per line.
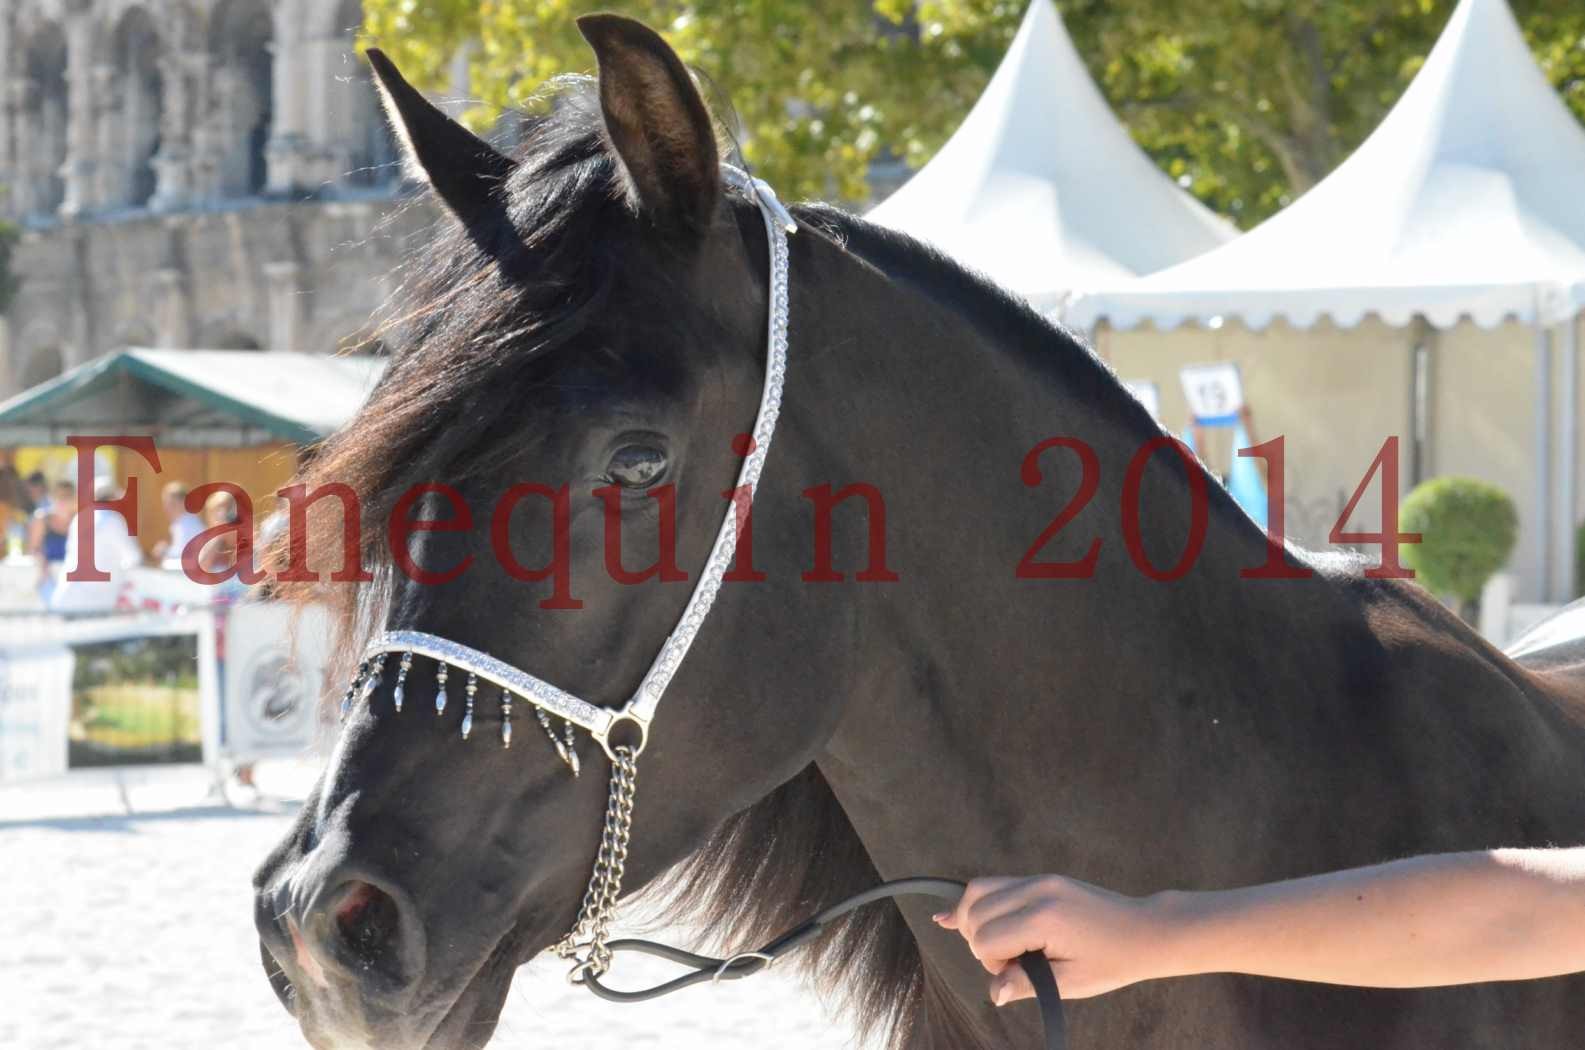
<point>1041,188</point>
<point>1467,201</point>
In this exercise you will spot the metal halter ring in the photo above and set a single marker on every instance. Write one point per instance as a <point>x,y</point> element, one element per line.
<point>623,718</point>
<point>584,967</point>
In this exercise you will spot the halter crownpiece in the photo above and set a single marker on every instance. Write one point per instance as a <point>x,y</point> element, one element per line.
<point>586,943</point>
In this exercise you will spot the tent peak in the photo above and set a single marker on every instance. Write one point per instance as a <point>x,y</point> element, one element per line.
<point>1042,188</point>
<point>1463,203</point>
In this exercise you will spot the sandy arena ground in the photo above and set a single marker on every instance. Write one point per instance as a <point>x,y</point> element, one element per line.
<point>128,932</point>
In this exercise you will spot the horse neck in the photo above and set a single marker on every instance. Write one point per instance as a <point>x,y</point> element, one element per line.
<point>1061,722</point>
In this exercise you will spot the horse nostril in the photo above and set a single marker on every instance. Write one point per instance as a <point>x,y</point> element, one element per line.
<point>367,921</point>
<point>357,930</point>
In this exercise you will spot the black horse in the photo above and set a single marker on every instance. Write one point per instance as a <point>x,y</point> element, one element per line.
<point>888,695</point>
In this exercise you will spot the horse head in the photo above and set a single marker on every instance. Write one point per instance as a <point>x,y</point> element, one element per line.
<point>541,475</point>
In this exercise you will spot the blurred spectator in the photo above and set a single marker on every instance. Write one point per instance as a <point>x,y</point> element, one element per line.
<point>36,490</point>
<point>116,553</point>
<point>16,503</point>
<point>184,526</point>
<point>49,532</point>
<point>218,555</point>
<point>19,500</point>
<point>220,552</point>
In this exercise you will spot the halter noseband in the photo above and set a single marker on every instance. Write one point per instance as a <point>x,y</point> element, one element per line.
<point>586,942</point>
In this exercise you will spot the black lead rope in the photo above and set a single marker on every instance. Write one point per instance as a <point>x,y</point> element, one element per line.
<point>747,964</point>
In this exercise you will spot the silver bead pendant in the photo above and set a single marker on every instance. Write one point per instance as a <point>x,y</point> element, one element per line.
<point>571,757</point>
<point>467,715</point>
<point>401,681</point>
<point>373,683</point>
<point>353,689</point>
<point>566,745</point>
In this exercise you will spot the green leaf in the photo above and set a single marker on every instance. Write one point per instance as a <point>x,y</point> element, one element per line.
<point>1256,99</point>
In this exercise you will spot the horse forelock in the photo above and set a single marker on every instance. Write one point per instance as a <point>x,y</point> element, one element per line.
<point>483,306</point>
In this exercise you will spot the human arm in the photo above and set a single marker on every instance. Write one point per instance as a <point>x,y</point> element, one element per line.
<point>1435,920</point>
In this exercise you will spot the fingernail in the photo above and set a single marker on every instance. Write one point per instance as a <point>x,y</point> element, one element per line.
<point>940,916</point>
<point>1002,995</point>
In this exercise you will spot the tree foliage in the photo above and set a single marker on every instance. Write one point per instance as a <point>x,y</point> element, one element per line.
<point>1468,528</point>
<point>1254,101</point>
<point>1245,102</point>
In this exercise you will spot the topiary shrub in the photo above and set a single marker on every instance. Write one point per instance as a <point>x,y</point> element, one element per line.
<point>1468,529</point>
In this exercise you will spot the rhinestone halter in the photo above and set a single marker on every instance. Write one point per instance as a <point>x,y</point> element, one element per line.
<point>586,944</point>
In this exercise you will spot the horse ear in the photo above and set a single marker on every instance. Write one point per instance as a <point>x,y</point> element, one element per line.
<point>465,171</point>
<point>656,121</point>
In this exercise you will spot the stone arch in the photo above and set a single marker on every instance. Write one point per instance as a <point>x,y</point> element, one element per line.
<point>241,42</point>
<point>232,339</point>
<point>359,125</point>
<point>43,107</point>
<point>137,332</point>
<point>40,365</point>
<point>131,132</point>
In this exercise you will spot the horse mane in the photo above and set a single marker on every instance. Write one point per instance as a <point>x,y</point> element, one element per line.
<point>493,304</point>
<point>1016,326</point>
<point>1048,348</point>
<point>789,856</point>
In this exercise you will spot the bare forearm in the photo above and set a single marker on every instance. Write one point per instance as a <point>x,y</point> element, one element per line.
<point>1449,919</point>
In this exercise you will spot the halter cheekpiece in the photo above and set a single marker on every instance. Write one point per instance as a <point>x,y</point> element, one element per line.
<point>622,733</point>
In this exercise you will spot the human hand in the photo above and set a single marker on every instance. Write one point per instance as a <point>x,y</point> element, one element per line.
<point>1097,941</point>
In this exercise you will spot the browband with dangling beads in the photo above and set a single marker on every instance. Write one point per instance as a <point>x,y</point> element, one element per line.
<point>448,656</point>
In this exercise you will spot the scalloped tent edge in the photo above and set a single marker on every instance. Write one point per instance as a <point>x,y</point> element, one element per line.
<point>1556,305</point>
<point>1042,189</point>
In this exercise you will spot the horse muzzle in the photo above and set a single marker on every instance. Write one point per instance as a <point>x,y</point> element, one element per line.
<point>345,952</point>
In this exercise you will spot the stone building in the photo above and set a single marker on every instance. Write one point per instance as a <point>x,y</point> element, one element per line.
<point>192,173</point>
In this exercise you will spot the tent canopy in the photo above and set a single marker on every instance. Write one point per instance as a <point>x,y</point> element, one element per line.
<point>1042,189</point>
<point>194,398</point>
<point>1466,201</point>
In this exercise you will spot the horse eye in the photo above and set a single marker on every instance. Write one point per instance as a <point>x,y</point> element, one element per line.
<point>636,466</point>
